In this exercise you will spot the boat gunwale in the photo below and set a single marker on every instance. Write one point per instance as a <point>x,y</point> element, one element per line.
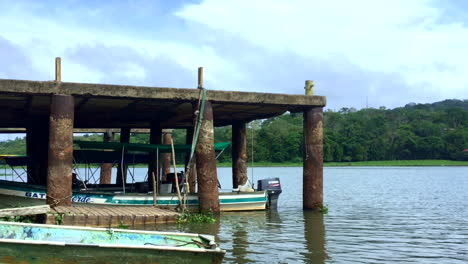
<point>217,250</point>
<point>81,191</point>
<point>106,245</point>
<point>86,228</point>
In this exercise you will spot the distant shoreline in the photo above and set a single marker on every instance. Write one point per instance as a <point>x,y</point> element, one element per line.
<point>382,163</point>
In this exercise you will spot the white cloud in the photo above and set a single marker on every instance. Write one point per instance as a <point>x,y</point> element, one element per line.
<point>399,36</point>
<point>390,51</point>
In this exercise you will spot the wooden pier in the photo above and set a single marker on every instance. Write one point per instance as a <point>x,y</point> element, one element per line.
<point>110,216</point>
<point>50,111</point>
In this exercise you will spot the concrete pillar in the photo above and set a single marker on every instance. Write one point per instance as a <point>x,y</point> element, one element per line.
<point>122,168</point>
<point>106,168</point>
<point>192,177</point>
<point>37,148</point>
<point>239,154</point>
<point>155,138</point>
<point>312,191</point>
<point>166,157</point>
<point>59,176</point>
<point>206,164</point>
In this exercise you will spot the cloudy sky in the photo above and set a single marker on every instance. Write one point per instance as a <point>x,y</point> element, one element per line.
<point>388,53</point>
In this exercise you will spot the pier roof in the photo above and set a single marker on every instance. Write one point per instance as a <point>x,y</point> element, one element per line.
<point>115,106</point>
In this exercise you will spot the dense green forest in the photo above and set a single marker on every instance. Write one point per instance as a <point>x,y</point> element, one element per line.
<point>416,131</point>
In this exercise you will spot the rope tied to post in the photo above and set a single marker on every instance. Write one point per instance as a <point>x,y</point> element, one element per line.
<point>197,125</point>
<point>56,201</point>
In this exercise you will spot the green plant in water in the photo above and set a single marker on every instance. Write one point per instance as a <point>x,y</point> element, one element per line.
<point>58,219</point>
<point>19,218</point>
<point>122,225</point>
<point>323,209</point>
<point>202,217</point>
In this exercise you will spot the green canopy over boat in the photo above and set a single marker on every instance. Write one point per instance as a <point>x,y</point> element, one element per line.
<point>110,152</point>
<point>141,147</point>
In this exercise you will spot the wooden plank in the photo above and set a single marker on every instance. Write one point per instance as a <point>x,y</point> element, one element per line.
<point>30,210</point>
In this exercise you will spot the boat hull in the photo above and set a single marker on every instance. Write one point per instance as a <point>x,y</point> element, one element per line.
<point>48,254</point>
<point>29,243</point>
<point>16,194</point>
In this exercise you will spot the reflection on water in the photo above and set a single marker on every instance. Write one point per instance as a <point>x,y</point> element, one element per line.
<point>314,234</point>
<point>377,215</point>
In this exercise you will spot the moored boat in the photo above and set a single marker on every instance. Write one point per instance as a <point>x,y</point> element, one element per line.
<point>36,243</point>
<point>18,193</point>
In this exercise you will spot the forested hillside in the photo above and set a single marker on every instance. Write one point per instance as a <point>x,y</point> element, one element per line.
<point>416,131</point>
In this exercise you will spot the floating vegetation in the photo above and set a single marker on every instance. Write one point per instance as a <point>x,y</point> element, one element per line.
<point>323,209</point>
<point>19,219</point>
<point>203,217</point>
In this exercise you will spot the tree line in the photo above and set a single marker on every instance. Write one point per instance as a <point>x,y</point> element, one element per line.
<point>415,131</point>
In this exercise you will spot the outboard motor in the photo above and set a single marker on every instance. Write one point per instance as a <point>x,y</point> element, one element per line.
<point>273,186</point>
<point>171,180</point>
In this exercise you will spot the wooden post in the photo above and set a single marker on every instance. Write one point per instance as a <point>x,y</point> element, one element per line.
<point>309,87</point>
<point>122,168</point>
<point>58,69</point>
<point>166,157</point>
<point>155,138</point>
<point>59,176</point>
<point>313,155</point>
<point>207,178</point>
<point>200,77</point>
<point>106,168</point>
<point>239,154</point>
<point>192,177</point>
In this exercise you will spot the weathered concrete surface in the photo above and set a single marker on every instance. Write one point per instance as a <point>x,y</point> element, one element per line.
<point>116,106</point>
<point>155,138</point>
<point>122,168</point>
<point>313,159</point>
<point>239,154</point>
<point>106,168</point>
<point>183,94</point>
<point>166,157</point>
<point>207,177</point>
<point>59,176</point>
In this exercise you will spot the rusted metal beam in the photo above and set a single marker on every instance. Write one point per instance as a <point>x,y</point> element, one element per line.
<point>123,167</point>
<point>106,168</point>
<point>192,177</point>
<point>207,178</point>
<point>59,176</point>
<point>166,157</point>
<point>239,154</point>
<point>313,159</point>
<point>155,138</point>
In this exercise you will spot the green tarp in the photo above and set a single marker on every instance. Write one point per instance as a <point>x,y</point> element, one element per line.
<point>141,147</point>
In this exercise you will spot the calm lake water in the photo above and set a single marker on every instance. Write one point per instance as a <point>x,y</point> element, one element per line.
<point>376,215</point>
